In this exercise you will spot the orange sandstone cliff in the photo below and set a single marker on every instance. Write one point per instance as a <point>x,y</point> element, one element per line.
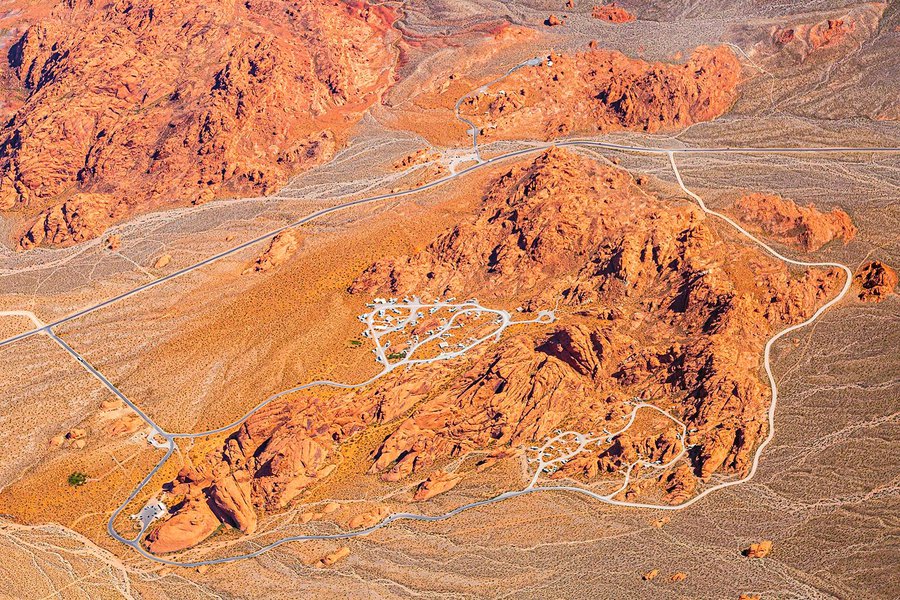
<point>635,278</point>
<point>137,104</point>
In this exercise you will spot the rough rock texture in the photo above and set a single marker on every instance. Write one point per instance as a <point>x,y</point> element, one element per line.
<point>231,497</point>
<point>138,104</point>
<point>194,523</point>
<point>281,248</point>
<point>602,90</point>
<point>437,483</point>
<point>874,281</point>
<point>612,13</point>
<point>333,557</point>
<point>803,227</point>
<point>759,550</point>
<point>842,29</point>
<point>634,277</point>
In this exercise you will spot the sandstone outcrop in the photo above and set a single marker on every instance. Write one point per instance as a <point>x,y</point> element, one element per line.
<point>602,90</point>
<point>231,500</point>
<point>141,104</point>
<point>759,550</point>
<point>333,557</point>
<point>437,483</point>
<point>803,227</point>
<point>194,523</point>
<point>553,21</point>
<point>162,261</point>
<point>650,575</point>
<point>612,13</point>
<point>874,281</point>
<point>368,518</point>
<point>634,277</point>
<point>842,29</point>
<point>279,250</point>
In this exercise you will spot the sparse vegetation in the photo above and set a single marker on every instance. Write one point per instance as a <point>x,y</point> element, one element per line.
<point>77,479</point>
<point>355,343</point>
<point>396,355</point>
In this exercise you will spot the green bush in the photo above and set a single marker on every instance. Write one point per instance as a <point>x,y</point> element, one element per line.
<point>77,479</point>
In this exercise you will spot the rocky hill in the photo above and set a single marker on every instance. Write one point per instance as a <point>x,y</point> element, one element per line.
<point>653,303</point>
<point>137,104</point>
<point>603,90</point>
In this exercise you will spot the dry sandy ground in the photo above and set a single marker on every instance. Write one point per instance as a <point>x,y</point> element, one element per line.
<point>827,490</point>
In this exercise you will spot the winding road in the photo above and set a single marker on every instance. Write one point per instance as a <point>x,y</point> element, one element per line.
<point>169,439</point>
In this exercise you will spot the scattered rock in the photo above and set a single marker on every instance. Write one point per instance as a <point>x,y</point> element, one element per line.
<point>759,550</point>
<point>76,434</point>
<point>852,25</point>
<point>659,523</point>
<point>114,242</point>
<point>369,518</point>
<point>418,157</point>
<point>874,281</point>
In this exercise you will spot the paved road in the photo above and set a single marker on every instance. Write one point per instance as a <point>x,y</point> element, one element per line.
<point>532,487</point>
<point>531,62</point>
<point>169,438</point>
<point>436,183</point>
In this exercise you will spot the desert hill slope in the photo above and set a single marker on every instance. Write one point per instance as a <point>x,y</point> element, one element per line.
<point>146,103</point>
<point>653,304</point>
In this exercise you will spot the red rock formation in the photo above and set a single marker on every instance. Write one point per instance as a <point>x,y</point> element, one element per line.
<point>437,483</point>
<point>874,281</point>
<point>146,103</point>
<point>635,277</point>
<point>804,227</point>
<point>336,556</point>
<point>552,21</point>
<point>194,523</point>
<point>607,91</point>
<point>613,13</point>
<point>829,32</point>
<point>839,30</point>
<point>280,249</point>
<point>759,550</point>
<point>231,498</point>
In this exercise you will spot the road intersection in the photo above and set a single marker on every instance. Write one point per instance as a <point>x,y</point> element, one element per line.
<point>411,310</point>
